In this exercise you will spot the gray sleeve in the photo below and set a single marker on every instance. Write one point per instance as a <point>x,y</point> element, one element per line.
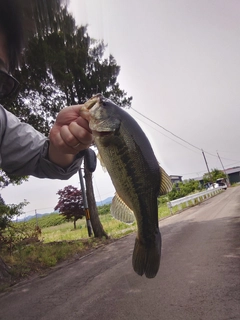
<point>23,151</point>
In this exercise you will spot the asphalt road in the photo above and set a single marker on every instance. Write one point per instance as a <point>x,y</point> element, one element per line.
<point>199,276</point>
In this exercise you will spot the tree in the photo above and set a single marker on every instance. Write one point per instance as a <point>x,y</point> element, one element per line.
<point>94,217</point>
<point>182,189</point>
<point>5,180</point>
<point>70,204</point>
<point>61,65</point>
<point>7,212</point>
<point>215,174</point>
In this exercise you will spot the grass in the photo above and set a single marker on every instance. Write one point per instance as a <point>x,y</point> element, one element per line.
<point>65,231</point>
<point>39,257</point>
<point>114,228</point>
<point>59,241</point>
<point>62,242</point>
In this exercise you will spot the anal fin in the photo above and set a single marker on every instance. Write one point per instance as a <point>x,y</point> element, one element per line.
<point>121,211</point>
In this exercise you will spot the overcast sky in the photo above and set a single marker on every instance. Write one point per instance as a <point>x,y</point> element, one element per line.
<point>180,61</point>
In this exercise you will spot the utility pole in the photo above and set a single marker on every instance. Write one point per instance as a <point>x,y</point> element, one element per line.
<point>228,183</point>
<point>36,217</point>
<point>210,176</point>
<point>85,203</point>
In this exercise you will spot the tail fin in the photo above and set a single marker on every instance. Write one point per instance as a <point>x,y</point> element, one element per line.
<point>147,259</point>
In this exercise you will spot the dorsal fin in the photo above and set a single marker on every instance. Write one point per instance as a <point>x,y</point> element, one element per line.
<point>166,183</point>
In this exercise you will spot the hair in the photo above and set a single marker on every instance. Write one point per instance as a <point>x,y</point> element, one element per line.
<point>11,26</point>
<point>18,23</point>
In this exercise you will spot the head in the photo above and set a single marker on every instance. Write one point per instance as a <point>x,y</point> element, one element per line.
<point>11,43</point>
<point>104,117</point>
<point>11,33</point>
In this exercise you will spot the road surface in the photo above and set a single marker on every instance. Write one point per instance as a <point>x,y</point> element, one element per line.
<point>199,276</point>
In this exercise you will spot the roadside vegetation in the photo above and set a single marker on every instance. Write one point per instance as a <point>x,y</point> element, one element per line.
<point>39,245</point>
<point>182,189</point>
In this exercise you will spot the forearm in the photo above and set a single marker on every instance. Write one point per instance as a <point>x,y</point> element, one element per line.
<point>46,168</point>
<point>25,151</point>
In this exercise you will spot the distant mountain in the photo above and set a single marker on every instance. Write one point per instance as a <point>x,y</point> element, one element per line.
<point>39,215</point>
<point>103,202</point>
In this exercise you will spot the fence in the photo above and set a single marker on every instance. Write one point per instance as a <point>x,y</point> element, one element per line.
<point>194,198</point>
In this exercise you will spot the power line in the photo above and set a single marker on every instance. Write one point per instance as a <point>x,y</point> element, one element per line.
<point>213,155</point>
<point>166,136</point>
<point>192,145</point>
<point>196,172</point>
<point>39,209</point>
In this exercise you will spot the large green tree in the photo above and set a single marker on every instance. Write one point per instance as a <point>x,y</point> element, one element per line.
<point>61,65</point>
<point>214,175</point>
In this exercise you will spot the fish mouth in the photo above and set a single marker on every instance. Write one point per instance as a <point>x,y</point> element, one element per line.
<point>91,102</point>
<point>85,109</point>
<point>102,133</point>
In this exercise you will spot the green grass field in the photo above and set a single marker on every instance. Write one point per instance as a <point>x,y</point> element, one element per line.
<point>114,228</point>
<point>65,231</point>
<point>59,241</point>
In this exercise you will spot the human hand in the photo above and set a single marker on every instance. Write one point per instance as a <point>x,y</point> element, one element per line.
<point>69,135</point>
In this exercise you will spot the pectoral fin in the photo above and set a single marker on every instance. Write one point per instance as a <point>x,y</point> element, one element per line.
<point>121,211</point>
<point>166,183</point>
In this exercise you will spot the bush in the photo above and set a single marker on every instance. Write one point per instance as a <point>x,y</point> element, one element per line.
<point>182,189</point>
<point>105,209</point>
<point>162,199</point>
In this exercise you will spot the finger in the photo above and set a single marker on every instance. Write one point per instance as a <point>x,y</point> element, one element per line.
<point>74,134</point>
<point>82,134</point>
<point>83,123</point>
<point>59,143</point>
<point>82,111</point>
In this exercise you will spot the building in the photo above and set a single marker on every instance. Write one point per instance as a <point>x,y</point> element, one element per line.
<point>175,178</point>
<point>233,174</point>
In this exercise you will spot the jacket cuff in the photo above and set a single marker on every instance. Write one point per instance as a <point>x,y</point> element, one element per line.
<point>54,171</point>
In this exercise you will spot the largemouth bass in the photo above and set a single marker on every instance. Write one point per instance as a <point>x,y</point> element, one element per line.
<point>136,176</point>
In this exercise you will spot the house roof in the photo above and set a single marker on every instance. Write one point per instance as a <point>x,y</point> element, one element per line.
<point>174,176</point>
<point>232,170</point>
<point>197,179</point>
<point>228,171</point>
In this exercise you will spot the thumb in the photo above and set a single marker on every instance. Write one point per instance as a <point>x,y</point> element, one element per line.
<point>82,111</point>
